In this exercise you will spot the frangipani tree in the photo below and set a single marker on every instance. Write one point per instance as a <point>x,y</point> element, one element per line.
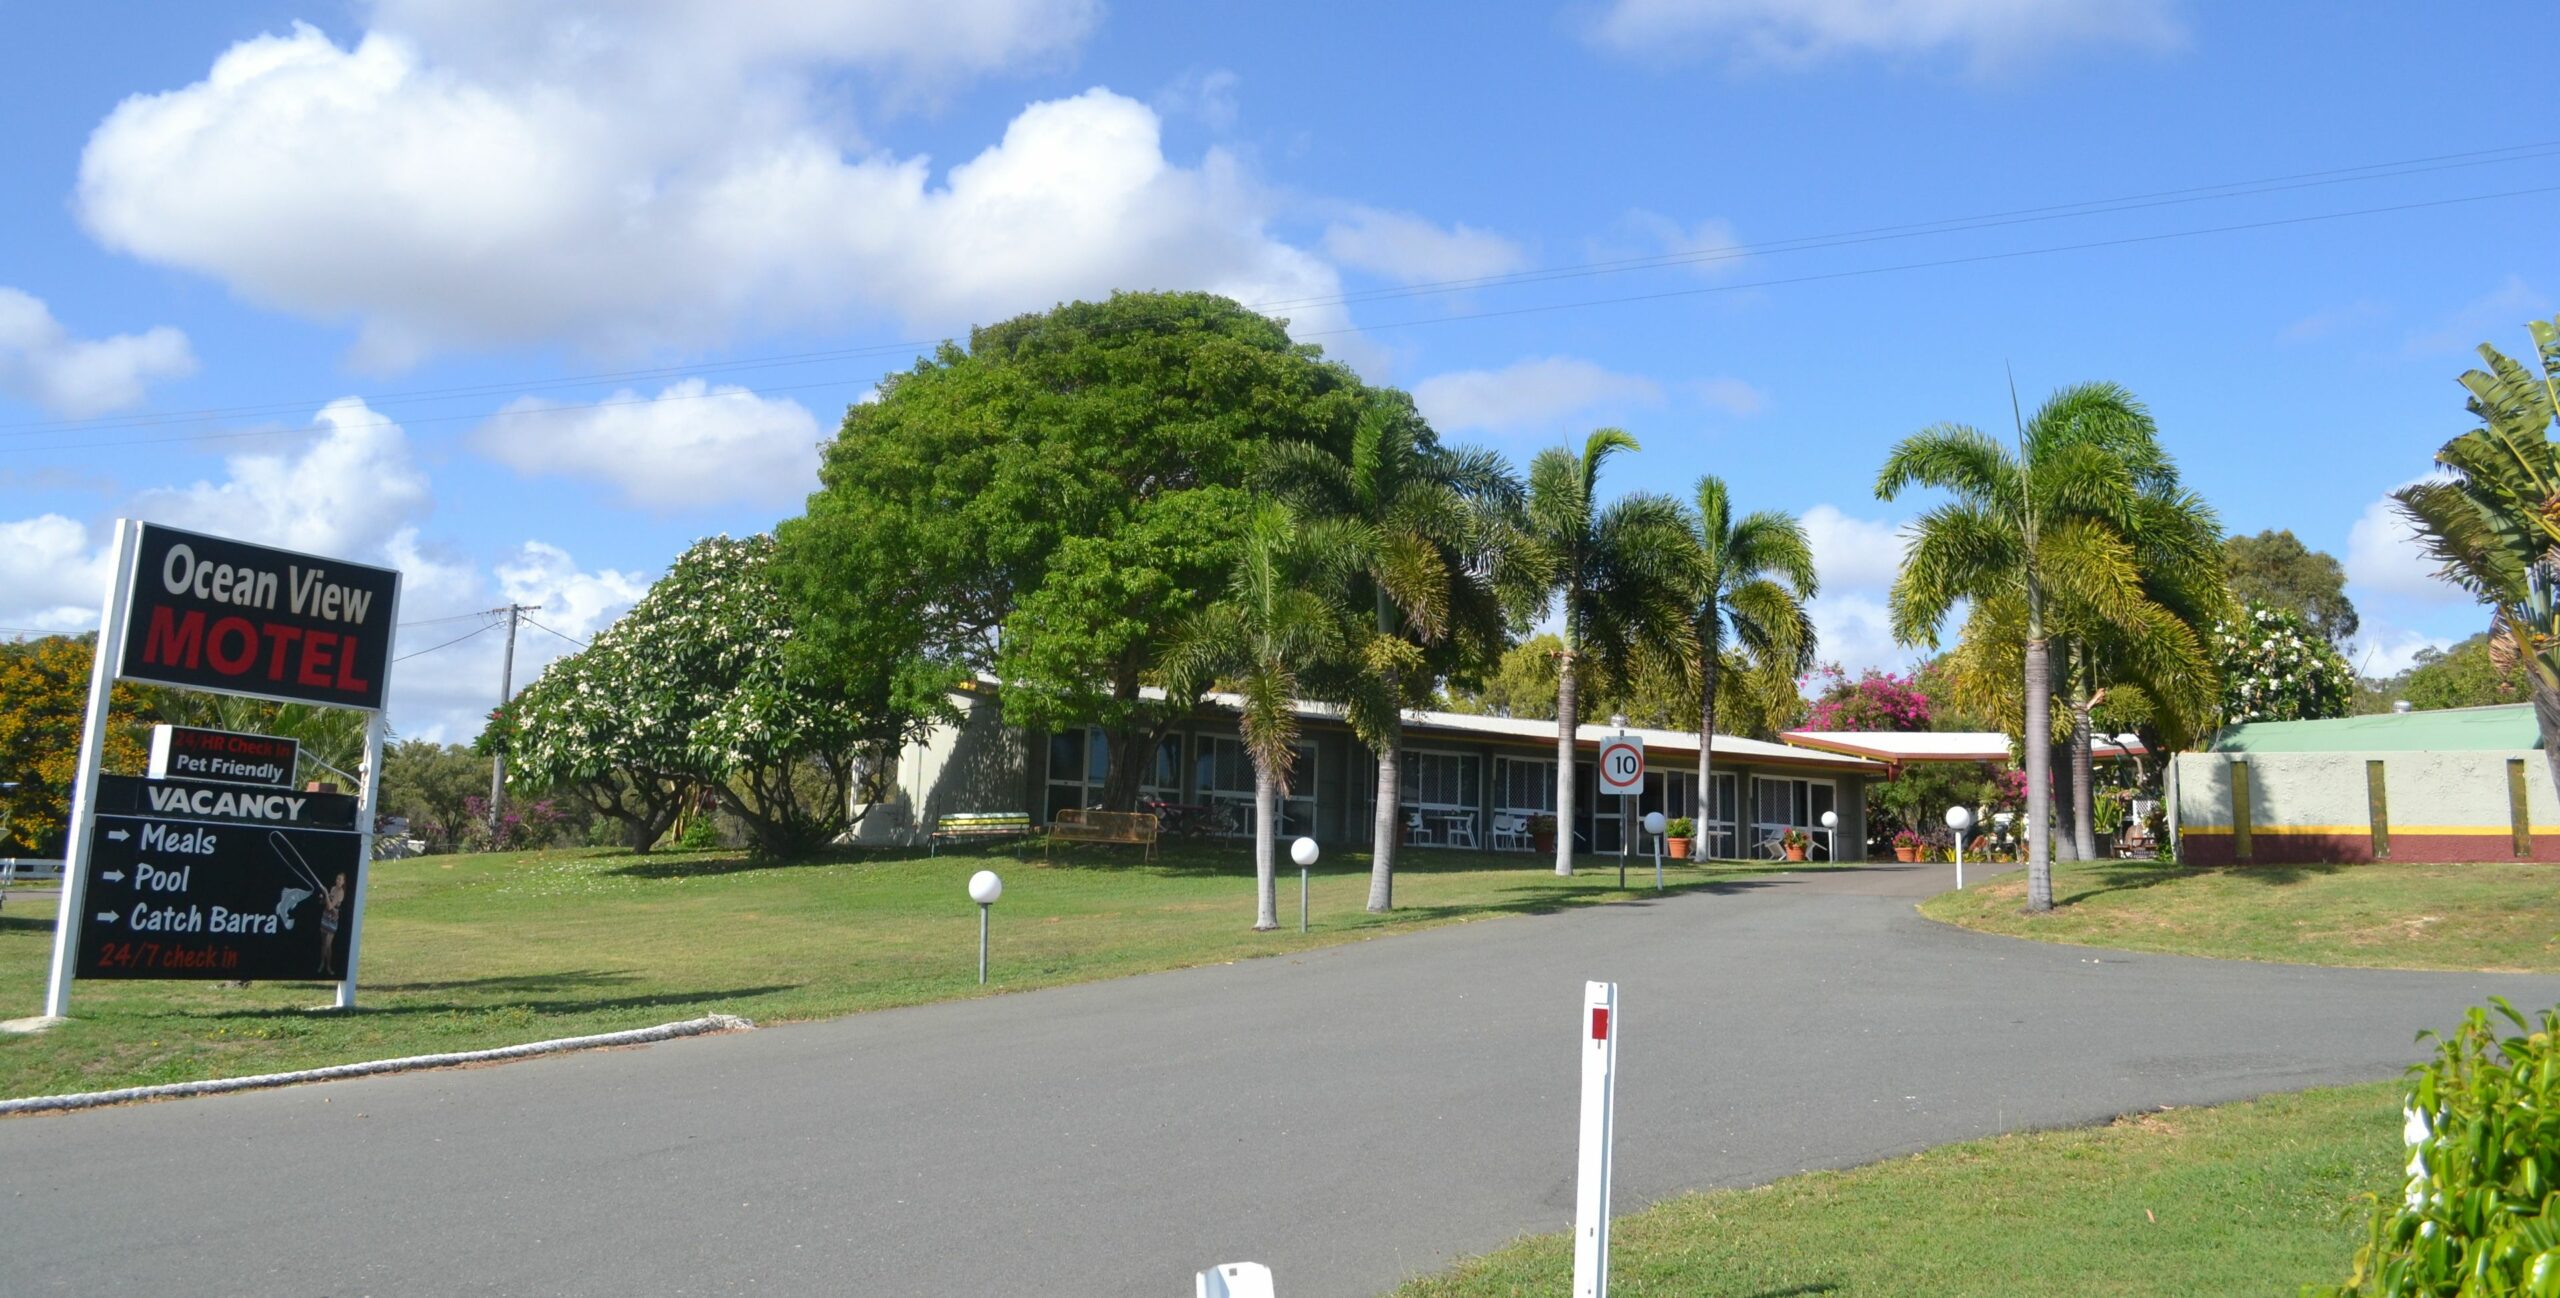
<point>2493,522</point>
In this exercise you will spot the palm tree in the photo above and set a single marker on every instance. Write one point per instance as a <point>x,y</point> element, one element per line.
<point>1752,576</point>
<point>2048,526</point>
<point>2493,521</point>
<point>1275,621</point>
<point>1422,516</point>
<point>1618,576</point>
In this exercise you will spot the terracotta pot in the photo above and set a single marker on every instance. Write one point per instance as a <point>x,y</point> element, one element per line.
<point>1906,854</point>
<point>1679,848</point>
<point>1795,852</point>
<point>1542,838</point>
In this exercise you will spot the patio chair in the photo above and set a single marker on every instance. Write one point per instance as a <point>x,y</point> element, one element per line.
<point>1509,834</point>
<point>1416,831</point>
<point>1461,831</point>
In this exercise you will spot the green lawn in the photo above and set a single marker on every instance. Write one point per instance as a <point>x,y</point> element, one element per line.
<point>2497,916</point>
<point>469,952</point>
<point>2242,1199</point>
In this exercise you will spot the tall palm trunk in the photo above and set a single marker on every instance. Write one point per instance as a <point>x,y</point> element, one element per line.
<point>2066,846</point>
<point>1266,836</point>
<point>2084,828</point>
<point>1568,724</point>
<point>1710,635</point>
<point>2546,714</point>
<point>2038,751</point>
<point>1384,826</point>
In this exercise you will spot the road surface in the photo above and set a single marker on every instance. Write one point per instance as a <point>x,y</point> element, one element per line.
<point>1351,1116</point>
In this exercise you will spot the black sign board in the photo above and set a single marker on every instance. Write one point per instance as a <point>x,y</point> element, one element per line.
<point>217,614</point>
<point>189,880</point>
<point>184,752</point>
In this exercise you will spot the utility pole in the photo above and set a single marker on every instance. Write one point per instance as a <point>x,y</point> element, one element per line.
<point>506,695</point>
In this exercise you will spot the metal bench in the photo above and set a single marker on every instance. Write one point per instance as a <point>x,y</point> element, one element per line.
<point>1081,825</point>
<point>977,824</point>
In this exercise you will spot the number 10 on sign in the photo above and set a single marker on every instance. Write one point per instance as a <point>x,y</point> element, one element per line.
<point>1622,764</point>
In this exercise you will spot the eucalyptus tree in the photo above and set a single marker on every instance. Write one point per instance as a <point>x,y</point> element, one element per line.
<point>1280,617</point>
<point>1616,576</point>
<point>2492,523</point>
<point>1751,577</point>
<point>1427,523</point>
<point>2050,525</point>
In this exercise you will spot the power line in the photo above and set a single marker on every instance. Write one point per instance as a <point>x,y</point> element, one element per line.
<point>562,634</point>
<point>447,644</point>
<point>1451,317</point>
<point>2506,154</point>
<point>431,621</point>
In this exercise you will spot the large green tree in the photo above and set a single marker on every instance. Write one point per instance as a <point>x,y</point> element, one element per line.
<point>1429,523</point>
<point>2493,522</point>
<point>1283,613</point>
<point>2047,528</point>
<point>1617,576</point>
<point>44,693</point>
<point>1049,504</point>
<point>2276,569</point>
<point>1749,582</point>
<point>2466,674</point>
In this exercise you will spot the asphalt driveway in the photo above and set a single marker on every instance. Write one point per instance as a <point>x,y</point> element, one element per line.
<point>1350,1116</point>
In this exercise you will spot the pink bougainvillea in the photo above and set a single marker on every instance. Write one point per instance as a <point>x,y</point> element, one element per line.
<point>1875,701</point>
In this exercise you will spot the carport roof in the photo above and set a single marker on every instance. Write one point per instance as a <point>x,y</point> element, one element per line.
<point>2504,727</point>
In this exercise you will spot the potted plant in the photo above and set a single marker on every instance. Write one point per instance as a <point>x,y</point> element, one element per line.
<point>1907,845</point>
<point>1679,834</point>
<point>2106,818</point>
<point>1795,841</point>
<point>1542,833</point>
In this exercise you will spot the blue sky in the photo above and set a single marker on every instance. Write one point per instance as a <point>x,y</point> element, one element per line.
<point>523,296</point>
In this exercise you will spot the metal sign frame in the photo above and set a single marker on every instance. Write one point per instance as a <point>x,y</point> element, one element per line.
<point>113,634</point>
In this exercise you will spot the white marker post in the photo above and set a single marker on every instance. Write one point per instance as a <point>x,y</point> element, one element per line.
<point>984,889</point>
<point>84,791</point>
<point>1304,853</point>
<point>1654,824</point>
<point>1599,1040</point>
<point>1959,819</point>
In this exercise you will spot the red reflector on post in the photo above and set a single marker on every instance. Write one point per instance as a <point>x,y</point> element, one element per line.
<point>1599,1023</point>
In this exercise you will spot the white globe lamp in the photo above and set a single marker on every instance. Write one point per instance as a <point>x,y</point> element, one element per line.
<point>984,888</point>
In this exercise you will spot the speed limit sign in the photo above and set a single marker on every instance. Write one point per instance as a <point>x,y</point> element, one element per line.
<point>1622,764</point>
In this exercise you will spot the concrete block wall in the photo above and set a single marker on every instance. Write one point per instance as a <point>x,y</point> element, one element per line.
<point>2308,808</point>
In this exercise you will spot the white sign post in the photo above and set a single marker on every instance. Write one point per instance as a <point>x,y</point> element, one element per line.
<point>1599,1044</point>
<point>1622,773</point>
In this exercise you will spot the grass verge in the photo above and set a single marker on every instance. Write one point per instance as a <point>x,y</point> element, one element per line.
<point>470,952</point>
<point>2241,1199</point>
<point>2497,916</point>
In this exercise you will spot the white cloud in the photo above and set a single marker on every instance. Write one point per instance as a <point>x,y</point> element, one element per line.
<point>1856,631</point>
<point>574,601</point>
<point>1732,396</point>
<point>1411,250</point>
<point>2496,317</point>
<point>1528,395</point>
<point>2384,650</point>
<point>444,693</point>
<point>1987,34</point>
<point>446,184</point>
<point>1712,247</point>
<point>1208,96</point>
<point>50,578</point>
<point>347,494</point>
<point>2324,324</point>
<point>690,445</point>
<point>2383,559</point>
<point>1853,554</point>
<point>41,362</point>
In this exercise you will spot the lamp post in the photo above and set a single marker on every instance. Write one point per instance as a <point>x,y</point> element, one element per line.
<point>1304,853</point>
<point>1831,834</point>
<point>1959,819</point>
<point>984,888</point>
<point>1654,824</point>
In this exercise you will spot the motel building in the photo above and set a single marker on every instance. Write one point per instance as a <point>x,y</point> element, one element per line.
<point>1470,782</point>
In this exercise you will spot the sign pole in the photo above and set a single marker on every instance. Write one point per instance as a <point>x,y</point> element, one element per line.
<point>368,810</point>
<point>1599,1104</point>
<point>84,792</point>
<point>1626,808</point>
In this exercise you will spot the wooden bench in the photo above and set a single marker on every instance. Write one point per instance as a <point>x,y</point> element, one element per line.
<point>978,824</point>
<point>1078,825</point>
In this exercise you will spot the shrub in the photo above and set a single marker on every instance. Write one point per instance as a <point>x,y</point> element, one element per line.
<point>2478,1215</point>
<point>700,834</point>
<point>1680,827</point>
<point>1909,838</point>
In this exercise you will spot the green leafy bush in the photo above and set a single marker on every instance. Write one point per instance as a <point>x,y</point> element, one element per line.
<point>2480,1215</point>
